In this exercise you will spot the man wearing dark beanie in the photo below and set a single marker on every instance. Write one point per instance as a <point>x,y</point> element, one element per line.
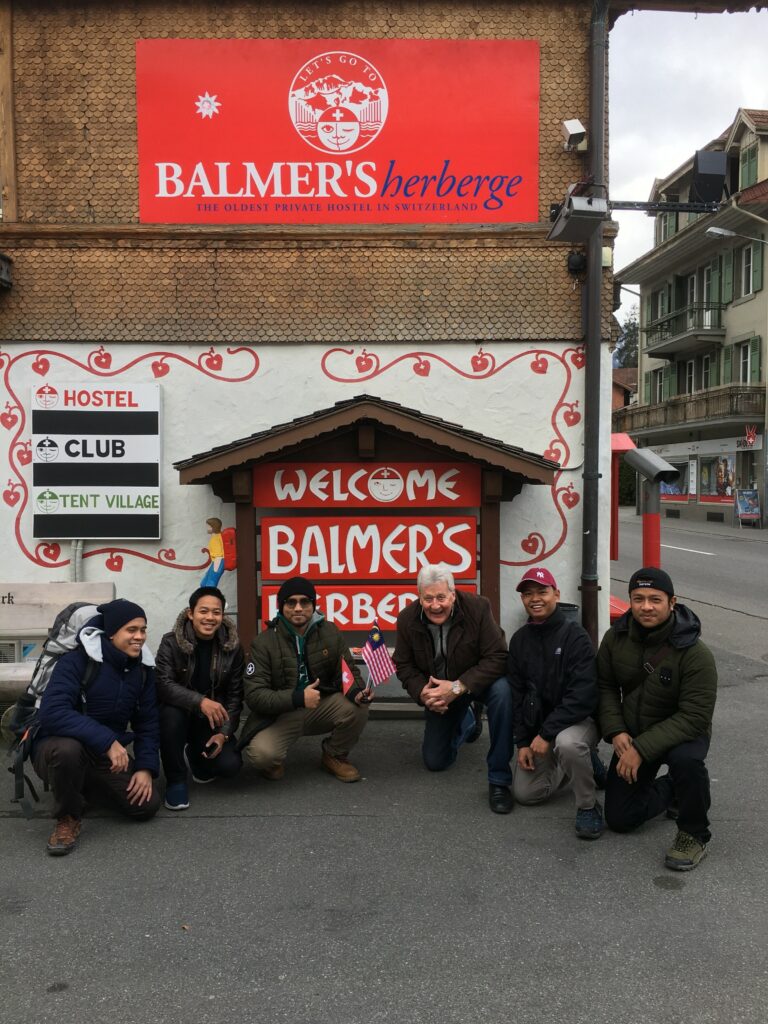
<point>200,688</point>
<point>658,686</point>
<point>294,687</point>
<point>83,742</point>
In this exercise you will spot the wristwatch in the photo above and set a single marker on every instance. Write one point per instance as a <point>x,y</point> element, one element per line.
<point>458,688</point>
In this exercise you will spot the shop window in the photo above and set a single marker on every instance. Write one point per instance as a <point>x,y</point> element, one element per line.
<point>678,489</point>
<point>717,477</point>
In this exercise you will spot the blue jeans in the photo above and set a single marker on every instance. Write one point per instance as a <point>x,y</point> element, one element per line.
<point>443,733</point>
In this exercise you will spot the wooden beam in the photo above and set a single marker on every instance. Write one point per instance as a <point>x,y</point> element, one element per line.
<point>245,522</point>
<point>8,193</point>
<point>490,540</point>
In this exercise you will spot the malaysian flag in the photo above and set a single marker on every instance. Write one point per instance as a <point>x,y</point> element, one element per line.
<point>376,657</point>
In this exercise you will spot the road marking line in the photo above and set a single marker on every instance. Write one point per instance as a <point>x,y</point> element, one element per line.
<point>691,551</point>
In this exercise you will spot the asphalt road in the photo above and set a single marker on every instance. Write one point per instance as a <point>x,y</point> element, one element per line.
<point>400,899</point>
<point>720,572</point>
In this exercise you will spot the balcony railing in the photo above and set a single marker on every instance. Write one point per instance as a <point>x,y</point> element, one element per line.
<point>697,320</point>
<point>733,401</point>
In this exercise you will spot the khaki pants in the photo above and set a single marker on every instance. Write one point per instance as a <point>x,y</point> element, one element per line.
<point>568,760</point>
<point>334,714</point>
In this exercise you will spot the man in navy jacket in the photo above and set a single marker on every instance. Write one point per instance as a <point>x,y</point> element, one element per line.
<point>82,738</point>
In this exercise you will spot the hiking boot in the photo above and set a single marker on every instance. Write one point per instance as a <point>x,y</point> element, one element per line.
<point>64,836</point>
<point>685,853</point>
<point>589,822</point>
<point>338,765</point>
<point>477,729</point>
<point>275,772</point>
<point>599,770</point>
<point>177,796</point>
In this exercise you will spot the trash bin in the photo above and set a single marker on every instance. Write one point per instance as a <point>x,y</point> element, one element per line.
<point>570,611</point>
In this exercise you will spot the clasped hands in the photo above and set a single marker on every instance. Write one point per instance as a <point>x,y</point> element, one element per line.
<point>437,695</point>
<point>526,755</point>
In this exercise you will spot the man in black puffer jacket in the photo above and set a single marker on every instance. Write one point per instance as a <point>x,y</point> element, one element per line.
<point>658,686</point>
<point>200,689</point>
<point>552,673</point>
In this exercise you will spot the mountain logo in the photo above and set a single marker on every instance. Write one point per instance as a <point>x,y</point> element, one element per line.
<point>338,102</point>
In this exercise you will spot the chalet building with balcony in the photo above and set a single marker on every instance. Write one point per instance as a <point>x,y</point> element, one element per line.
<point>703,328</point>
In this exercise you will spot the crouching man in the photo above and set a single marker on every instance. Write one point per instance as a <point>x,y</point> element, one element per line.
<point>552,673</point>
<point>294,687</point>
<point>93,695</point>
<point>658,686</point>
<point>200,688</point>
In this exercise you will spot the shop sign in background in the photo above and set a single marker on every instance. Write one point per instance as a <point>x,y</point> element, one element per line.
<point>96,461</point>
<point>337,131</point>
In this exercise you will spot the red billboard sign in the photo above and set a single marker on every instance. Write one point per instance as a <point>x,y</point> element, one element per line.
<point>355,608</point>
<point>334,131</point>
<point>387,548</point>
<point>366,485</point>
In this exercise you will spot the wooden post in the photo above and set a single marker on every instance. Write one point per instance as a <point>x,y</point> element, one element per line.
<point>8,194</point>
<point>490,540</point>
<point>245,520</point>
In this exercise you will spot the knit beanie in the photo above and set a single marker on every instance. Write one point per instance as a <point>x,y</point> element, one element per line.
<point>652,578</point>
<point>296,586</point>
<point>116,613</point>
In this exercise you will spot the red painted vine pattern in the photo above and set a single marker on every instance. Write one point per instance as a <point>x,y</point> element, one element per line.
<point>483,365</point>
<point>99,363</point>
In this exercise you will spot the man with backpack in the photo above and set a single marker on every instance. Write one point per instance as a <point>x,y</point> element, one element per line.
<point>200,688</point>
<point>83,723</point>
<point>551,670</point>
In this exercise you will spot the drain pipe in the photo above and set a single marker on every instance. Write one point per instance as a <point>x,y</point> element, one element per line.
<point>591,473</point>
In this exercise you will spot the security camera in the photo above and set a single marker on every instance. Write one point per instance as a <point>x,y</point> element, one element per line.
<point>651,466</point>
<point>575,134</point>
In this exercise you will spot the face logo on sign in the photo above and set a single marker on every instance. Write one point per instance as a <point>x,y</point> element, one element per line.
<point>46,396</point>
<point>385,484</point>
<point>338,102</point>
<point>48,501</point>
<point>47,450</point>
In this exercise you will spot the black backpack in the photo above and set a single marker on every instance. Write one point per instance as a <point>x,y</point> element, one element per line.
<point>22,719</point>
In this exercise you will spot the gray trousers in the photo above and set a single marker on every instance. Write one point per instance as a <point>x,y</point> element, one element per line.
<point>334,714</point>
<point>567,761</point>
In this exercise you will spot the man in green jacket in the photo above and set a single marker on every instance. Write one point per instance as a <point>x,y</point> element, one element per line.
<point>294,687</point>
<point>658,685</point>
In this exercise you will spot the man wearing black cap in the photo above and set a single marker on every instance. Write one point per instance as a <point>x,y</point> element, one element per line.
<point>200,689</point>
<point>658,685</point>
<point>294,687</point>
<point>83,742</point>
<point>551,670</point>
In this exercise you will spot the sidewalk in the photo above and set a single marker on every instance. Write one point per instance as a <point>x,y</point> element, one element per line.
<point>398,900</point>
<point>748,534</point>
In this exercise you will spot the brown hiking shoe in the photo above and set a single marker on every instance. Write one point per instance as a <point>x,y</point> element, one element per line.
<point>64,836</point>
<point>275,771</point>
<point>339,766</point>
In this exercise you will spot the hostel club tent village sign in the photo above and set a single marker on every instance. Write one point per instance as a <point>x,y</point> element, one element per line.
<point>96,461</point>
<point>337,130</point>
<point>370,540</point>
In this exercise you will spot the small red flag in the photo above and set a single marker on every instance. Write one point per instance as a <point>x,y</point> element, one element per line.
<point>347,679</point>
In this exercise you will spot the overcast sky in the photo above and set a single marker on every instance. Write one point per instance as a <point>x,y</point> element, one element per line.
<point>676,82</point>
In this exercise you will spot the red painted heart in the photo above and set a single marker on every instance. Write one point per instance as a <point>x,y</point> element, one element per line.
<point>24,456</point>
<point>50,552</point>
<point>102,359</point>
<point>480,361</point>
<point>552,455</point>
<point>530,545</point>
<point>159,368</point>
<point>579,359</point>
<point>364,363</point>
<point>114,563</point>
<point>168,554</point>
<point>572,417</point>
<point>41,366</point>
<point>9,419</point>
<point>213,361</point>
<point>571,499</point>
<point>540,365</point>
<point>422,367</point>
<point>11,497</point>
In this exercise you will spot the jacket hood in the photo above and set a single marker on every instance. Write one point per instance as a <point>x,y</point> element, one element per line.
<point>185,637</point>
<point>90,640</point>
<point>686,629</point>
